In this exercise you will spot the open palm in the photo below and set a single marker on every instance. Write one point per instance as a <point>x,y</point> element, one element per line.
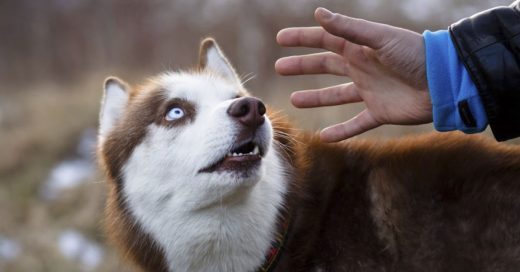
<point>386,65</point>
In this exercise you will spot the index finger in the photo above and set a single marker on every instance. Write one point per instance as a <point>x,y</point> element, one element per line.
<point>314,37</point>
<point>358,31</point>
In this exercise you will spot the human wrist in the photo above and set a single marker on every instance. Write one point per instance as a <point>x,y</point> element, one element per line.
<point>455,100</point>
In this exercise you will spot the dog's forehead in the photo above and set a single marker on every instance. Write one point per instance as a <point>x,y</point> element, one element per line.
<point>197,86</point>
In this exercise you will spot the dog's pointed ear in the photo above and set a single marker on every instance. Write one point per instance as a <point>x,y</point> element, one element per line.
<point>115,98</point>
<point>212,58</point>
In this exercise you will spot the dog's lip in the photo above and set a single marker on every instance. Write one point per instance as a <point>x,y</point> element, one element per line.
<point>239,160</point>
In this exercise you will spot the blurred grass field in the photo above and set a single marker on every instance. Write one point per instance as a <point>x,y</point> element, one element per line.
<point>53,64</point>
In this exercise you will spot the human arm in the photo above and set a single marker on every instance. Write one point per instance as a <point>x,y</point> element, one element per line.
<point>376,54</point>
<point>488,44</point>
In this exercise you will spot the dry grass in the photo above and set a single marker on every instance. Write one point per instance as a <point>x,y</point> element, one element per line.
<point>38,129</point>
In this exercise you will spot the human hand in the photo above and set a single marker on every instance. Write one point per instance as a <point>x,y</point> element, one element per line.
<point>386,65</point>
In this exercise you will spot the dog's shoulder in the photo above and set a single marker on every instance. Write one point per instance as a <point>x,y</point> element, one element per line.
<point>396,198</point>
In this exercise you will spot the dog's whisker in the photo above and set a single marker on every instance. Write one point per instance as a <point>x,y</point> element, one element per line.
<point>247,78</point>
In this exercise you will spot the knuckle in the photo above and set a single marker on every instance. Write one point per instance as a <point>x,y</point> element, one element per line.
<point>324,63</point>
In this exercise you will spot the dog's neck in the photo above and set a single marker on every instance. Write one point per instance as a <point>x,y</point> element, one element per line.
<point>275,251</point>
<point>232,236</point>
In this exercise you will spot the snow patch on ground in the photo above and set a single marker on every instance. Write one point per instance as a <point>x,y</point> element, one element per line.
<point>74,171</point>
<point>9,249</point>
<point>73,245</point>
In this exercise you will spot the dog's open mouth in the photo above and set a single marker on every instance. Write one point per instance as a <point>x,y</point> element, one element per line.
<point>241,157</point>
<point>247,149</point>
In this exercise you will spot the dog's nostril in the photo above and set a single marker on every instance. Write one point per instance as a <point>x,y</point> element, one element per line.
<point>244,110</point>
<point>261,108</point>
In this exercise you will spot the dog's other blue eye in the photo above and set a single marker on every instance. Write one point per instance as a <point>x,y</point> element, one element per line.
<point>174,114</point>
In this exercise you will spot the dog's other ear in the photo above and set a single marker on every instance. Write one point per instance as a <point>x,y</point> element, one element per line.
<point>115,98</point>
<point>212,58</point>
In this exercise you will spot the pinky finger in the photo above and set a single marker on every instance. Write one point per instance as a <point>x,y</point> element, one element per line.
<point>362,122</point>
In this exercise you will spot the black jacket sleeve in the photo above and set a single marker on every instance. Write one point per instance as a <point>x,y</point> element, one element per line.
<point>488,44</point>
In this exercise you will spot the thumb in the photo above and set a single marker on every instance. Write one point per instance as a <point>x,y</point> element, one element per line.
<point>355,30</point>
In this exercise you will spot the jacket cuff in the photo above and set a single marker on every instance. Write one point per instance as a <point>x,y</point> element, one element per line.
<point>455,99</point>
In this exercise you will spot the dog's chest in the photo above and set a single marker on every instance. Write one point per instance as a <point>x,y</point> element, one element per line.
<point>227,238</point>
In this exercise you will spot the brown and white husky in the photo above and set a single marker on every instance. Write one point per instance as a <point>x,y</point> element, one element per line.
<point>202,178</point>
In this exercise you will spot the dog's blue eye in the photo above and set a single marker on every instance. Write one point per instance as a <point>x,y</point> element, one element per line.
<point>174,114</point>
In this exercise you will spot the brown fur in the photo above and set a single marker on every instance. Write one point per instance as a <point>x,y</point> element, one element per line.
<point>146,105</point>
<point>122,228</point>
<point>205,45</point>
<point>437,202</point>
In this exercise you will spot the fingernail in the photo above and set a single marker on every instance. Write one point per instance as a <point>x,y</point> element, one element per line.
<point>324,13</point>
<point>277,63</point>
<point>280,61</point>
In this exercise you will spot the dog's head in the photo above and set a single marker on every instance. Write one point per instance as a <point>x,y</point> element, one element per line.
<point>195,138</point>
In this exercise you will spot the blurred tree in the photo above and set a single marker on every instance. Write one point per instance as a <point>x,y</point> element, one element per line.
<point>61,40</point>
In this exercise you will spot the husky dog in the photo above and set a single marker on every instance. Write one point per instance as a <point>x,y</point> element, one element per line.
<point>202,177</point>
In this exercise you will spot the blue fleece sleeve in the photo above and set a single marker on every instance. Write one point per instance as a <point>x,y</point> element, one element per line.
<point>455,99</point>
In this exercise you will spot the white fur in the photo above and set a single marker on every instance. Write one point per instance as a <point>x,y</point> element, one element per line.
<point>113,103</point>
<point>216,62</point>
<point>204,221</point>
<point>219,221</point>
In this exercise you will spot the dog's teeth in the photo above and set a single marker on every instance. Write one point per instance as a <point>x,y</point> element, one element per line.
<point>255,151</point>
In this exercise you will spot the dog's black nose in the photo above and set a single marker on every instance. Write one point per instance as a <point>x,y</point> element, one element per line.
<point>248,110</point>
